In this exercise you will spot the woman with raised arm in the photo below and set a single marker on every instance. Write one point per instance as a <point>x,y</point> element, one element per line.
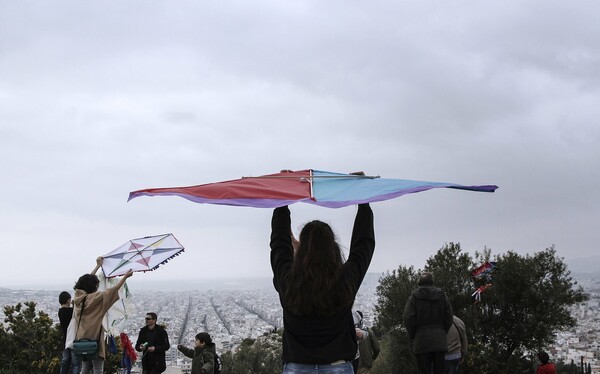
<point>317,290</point>
<point>90,306</point>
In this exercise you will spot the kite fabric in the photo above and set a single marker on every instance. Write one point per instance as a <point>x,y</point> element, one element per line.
<point>484,272</point>
<point>116,317</point>
<point>323,188</point>
<point>142,254</point>
<point>129,354</point>
<point>482,275</point>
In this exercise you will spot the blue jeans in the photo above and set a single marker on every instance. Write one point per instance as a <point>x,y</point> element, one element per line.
<point>342,368</point>
<point>95,366</point>
<point>452,366</point>
<point>69,360</point>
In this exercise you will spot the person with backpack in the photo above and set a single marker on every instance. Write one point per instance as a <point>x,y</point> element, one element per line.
<point>204,356</point>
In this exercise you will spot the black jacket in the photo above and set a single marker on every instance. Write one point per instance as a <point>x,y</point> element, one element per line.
<point>158,339</point>
<point>320,339</point>
<point>428,317</point>
<point>64,316</point>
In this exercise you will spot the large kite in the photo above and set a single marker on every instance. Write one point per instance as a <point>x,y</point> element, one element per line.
<point>323,188</point>
<point>142,254</point>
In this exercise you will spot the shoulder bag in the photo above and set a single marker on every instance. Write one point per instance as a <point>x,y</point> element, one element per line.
<point>86,349</point>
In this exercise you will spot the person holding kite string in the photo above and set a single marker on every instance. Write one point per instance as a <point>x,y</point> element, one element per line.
<point>94,304</point>
<point>317,290</point>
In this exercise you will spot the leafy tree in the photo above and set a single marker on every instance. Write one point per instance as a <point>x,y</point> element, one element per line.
<point>395,355</point>
<point>526,305</point>
<point>392,293</point>
<point>452,272</point>
<point>262,355</point>
<point>29,340</point>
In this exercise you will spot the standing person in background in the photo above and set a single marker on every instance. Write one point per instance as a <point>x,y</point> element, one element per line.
<point>90,306</point>
<point>369,350</point>
<point>457,346</point>
<point>317,289</point>
<point>428,317</point>
<point>65,314</point>
<point>153,341</point>
<point>203,354</point>
<point>361,334</point>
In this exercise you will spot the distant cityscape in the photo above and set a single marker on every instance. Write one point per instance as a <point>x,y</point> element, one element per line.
<point>229,313</point>
<point>582,342</point>
<point>232,313</point>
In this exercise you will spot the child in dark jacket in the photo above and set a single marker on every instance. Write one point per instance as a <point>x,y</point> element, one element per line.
<point>202,355</point>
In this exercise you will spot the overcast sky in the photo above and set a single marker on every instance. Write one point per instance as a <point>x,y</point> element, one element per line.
<point>100,98</point>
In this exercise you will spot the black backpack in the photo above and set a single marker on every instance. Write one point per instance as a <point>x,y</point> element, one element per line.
<point>218,364</point>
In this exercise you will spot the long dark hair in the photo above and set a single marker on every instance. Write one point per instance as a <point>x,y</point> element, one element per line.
<point>315,285</point>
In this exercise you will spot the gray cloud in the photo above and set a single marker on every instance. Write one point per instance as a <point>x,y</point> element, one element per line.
<point>99,99</point>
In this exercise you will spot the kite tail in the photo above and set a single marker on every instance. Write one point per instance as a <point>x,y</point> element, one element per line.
<point>112,344</point>
<point>479,291</point>
<point>129,354</point>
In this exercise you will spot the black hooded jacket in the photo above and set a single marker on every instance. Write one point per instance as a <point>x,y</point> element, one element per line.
<point>428,317</point>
